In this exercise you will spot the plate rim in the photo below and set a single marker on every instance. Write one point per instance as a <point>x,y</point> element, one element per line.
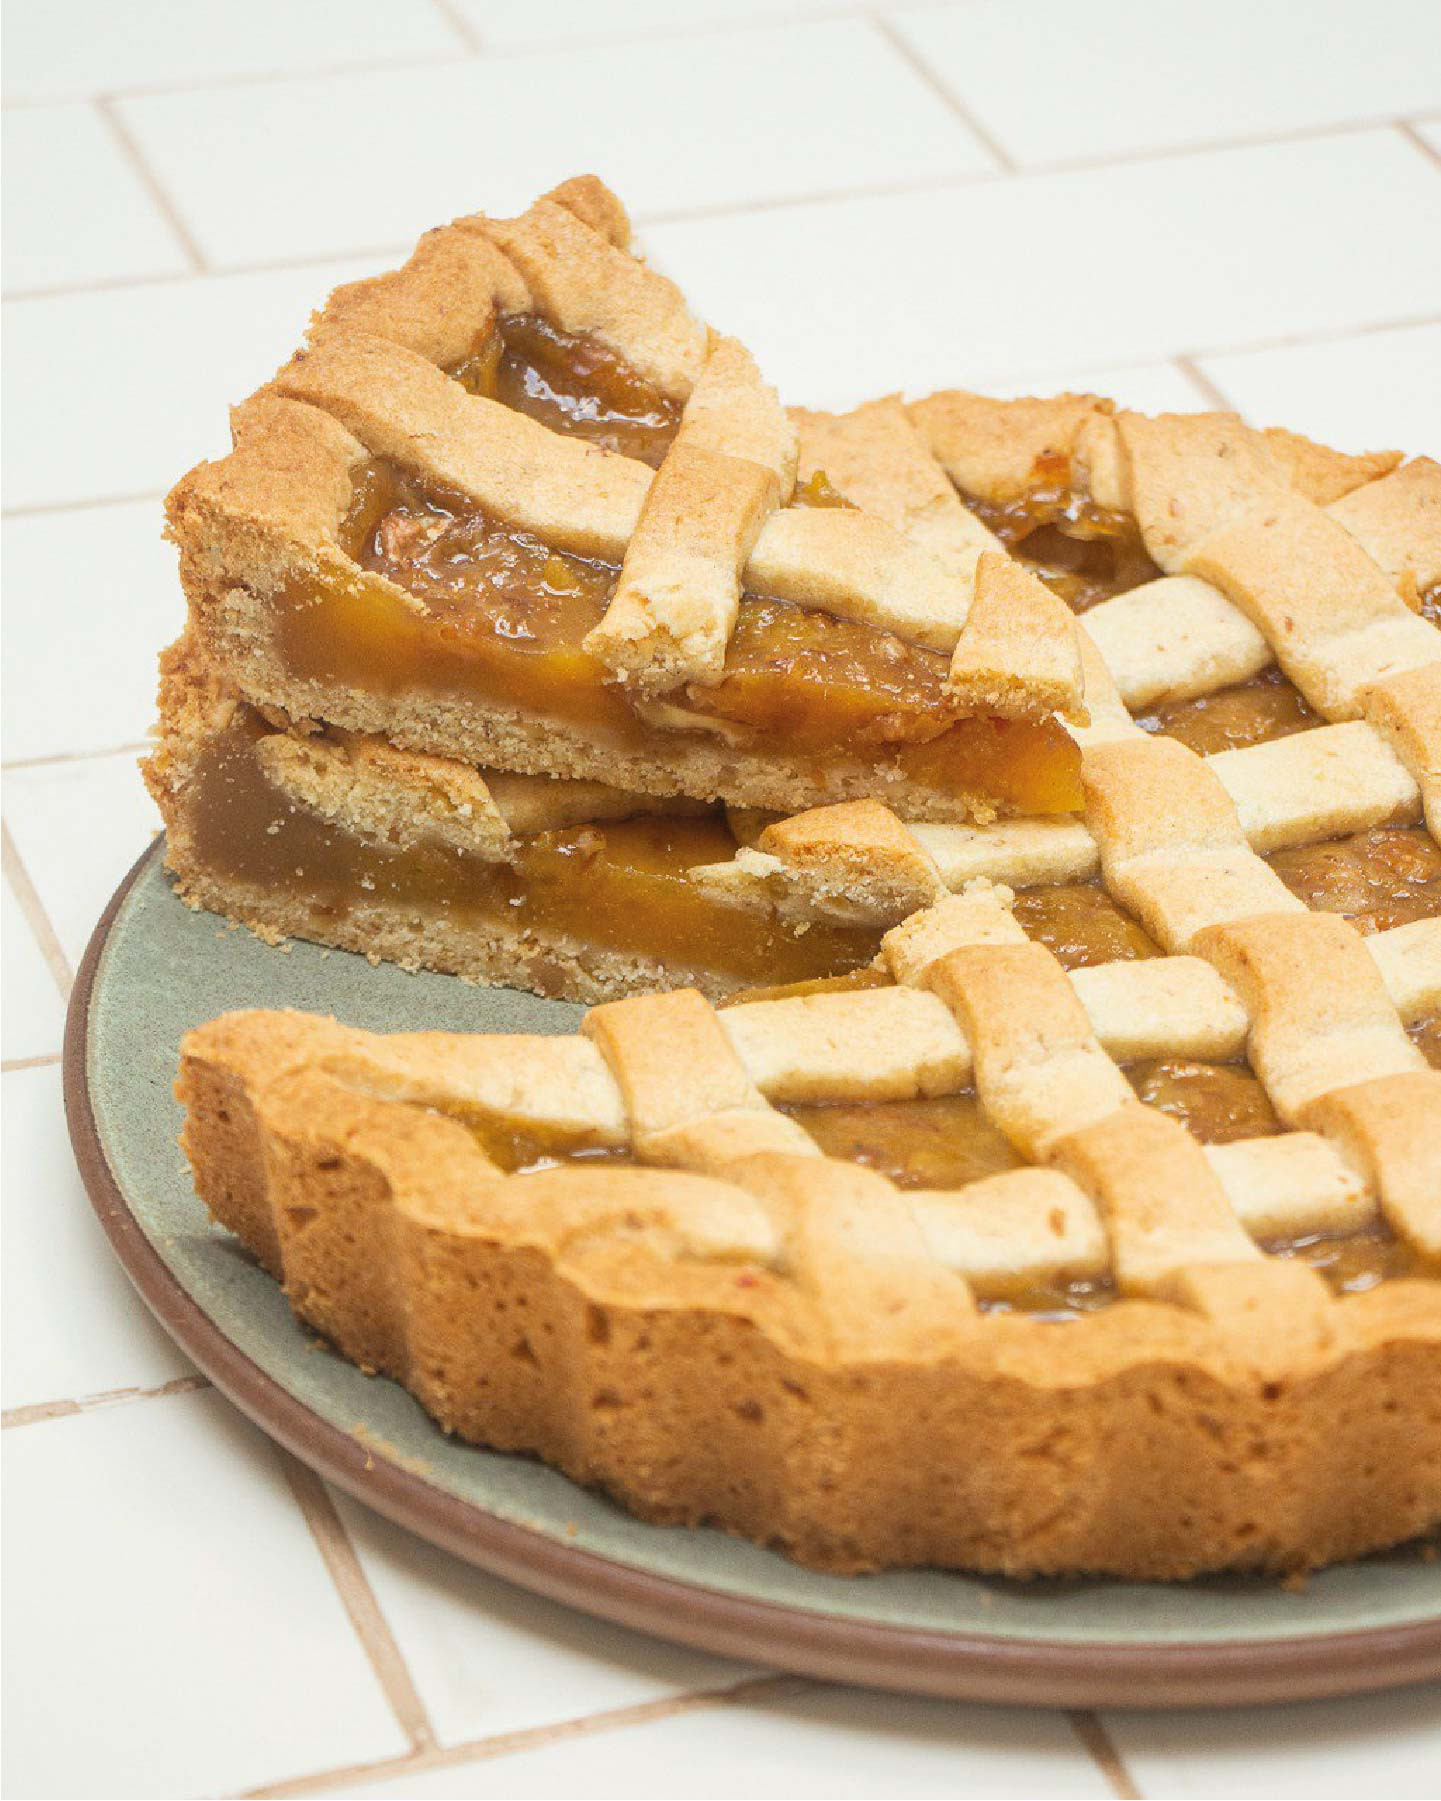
<point>917,1660</point>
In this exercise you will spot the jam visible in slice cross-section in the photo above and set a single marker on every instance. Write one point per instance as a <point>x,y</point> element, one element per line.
<point>1251,712</point>
<point>502,620</point>
<point>1378,879</point>
<point>619,886</point>
<point>574,384</point>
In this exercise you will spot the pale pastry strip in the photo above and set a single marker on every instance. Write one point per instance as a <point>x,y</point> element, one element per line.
<point>1045,1080</point>
<point>1397,522</point>
<point>861,863</point>
<point>1321,1018</point>
<point>1406,710</point>
<point>1333,618</point>
<point>877,459</point>
<point>1390,1129</point>
<point>1010,1232</point>
<point>671,615</point>
<point>1174,639</point>
<point>1172,848</point>
<point>1292,1184</point>
<point>584,283</point>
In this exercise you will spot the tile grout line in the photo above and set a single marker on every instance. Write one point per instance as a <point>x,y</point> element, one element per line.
<point>51,758</point>
<point>1406,128</point>
<point>1006,171</point>
<point>506,1744</point>
<point>441,58</point>
<point>1199,380</point>
<point>941,88</point>
<point>42,507</point>
<point>120,131</point>
<point>13,1065</point>
<point>36,917</point>
<point>359,1600</point>
<point>460,25</point>
<point>39,1411</point>
<point>162,90</point>
<point>1100,1747</point>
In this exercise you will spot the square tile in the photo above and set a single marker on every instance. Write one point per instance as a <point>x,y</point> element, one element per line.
<point>78,827</point>
<point>180,1632</point>
<point>1378,391</point>
<point>79,47</point>
<point>92,596</point>
<point>314,168</point>
<point>806,1740</point>
<point>169,360</point>
<point>1388,1744</point>
<point>83,1330</point>
<point>1136,79</point>
<point>487,1657</point>
<point>1220,249</point>
<point>34,1011</point>
<point>76,211</point>
<point>516,24</point>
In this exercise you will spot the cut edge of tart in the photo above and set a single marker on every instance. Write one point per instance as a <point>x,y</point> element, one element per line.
<point>573,889</point>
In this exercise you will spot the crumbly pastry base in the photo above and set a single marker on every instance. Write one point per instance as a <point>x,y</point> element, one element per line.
<point>1143,1441</point>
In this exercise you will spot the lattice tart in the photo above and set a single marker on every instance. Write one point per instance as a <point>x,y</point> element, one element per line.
<point>514,504</point>
<point>900,1275</point>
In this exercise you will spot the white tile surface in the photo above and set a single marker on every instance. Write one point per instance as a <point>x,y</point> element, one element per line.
<point>1381,390</point>
<point>490,1658</point>
<point>181,1635</point>
<point>308,168</point>
<point>117,393</point>
<point>1135,78</point>
<point>513,24</point>
<point>78,827</point>
<point>79,47</point>
<point>1204,252</point>
<point>103,1338</point>
<point>34,1013</point>
<point>810,1741</point>
<point>91,595</point>
<point>75,209</point>
<point>1384,1745</point>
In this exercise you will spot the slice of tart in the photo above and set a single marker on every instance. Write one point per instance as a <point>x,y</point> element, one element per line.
<point>515,505</point>
<point>573,889</point>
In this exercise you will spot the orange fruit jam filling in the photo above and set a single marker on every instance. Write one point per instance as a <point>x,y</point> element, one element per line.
<point>496,616</point>
<point>620,887</point>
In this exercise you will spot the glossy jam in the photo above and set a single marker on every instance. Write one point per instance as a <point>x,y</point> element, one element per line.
<point>619,887</point>
<point>941,1143</point>
<point>1250,712</point>
<point>1378,879</point>
<point>1216,1102</point>
<point>503,618</point>
<point>1082,552</point>
<point>1080,924</point>
<point>574,384</point>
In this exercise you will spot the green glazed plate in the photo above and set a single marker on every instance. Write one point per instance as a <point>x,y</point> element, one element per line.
<point>154,969</point>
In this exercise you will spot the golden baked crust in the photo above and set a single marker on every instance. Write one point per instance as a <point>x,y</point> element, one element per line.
<point>750,1334</point>
<point>383,379</point>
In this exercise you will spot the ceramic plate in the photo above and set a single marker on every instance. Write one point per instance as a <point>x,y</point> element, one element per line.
<point>154,969</point>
